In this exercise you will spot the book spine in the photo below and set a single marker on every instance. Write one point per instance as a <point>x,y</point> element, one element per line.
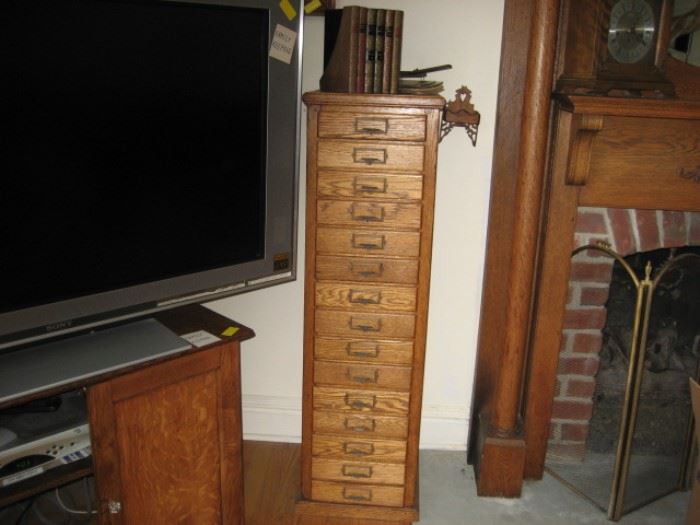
<point>370,56</point>
<point>388,50</point>
<point>396,52</point>
<point>340,74</point>
<point>354,13</point>
<point>379,51</point>
<point>361,51</point>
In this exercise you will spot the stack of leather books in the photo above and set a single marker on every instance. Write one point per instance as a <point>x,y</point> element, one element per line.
<point>362,50</point>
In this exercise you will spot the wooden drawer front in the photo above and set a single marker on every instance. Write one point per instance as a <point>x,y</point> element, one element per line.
<point>356,494</point>
<point>394,352</point>
<point>360,374</point>
<point>401,271</point>
<point>328,422</point>
<point>340,124</point>
<point>351,448</point>
<point>365,242</point>
<point>361,472</point>
<point>370,401</point>
<point>369,186</point>
<point>363,213</point>
<point>366,297</point>
<point>356,324</point>
<point>379,156</point>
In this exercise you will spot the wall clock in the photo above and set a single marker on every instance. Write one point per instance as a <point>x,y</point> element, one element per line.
<point>614,47</point>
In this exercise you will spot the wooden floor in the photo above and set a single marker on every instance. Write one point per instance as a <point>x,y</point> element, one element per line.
<point>272,485</point>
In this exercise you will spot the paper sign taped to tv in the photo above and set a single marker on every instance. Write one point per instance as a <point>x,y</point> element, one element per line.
<point>282,47</point>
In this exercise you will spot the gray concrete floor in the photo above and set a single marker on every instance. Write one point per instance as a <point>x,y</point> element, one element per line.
<point>448,497</point>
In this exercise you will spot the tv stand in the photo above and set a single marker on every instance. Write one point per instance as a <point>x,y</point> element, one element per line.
<point>165,431</point>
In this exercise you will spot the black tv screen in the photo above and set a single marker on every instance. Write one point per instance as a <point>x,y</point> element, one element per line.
<point>136,159</point>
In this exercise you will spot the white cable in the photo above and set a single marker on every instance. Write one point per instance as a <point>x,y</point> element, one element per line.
<point>69,510</point>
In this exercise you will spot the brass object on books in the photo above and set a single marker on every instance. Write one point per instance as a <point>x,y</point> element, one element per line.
<point>460,112</point>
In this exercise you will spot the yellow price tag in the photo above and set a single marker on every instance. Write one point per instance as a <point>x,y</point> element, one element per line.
<point>288,9</point>
<point>310,7</point>
<point>231,330</point>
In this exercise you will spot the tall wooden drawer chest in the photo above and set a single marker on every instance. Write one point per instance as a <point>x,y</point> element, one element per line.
<point>371,164</point>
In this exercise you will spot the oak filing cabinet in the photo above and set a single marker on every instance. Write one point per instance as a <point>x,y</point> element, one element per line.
<point>371,164</point>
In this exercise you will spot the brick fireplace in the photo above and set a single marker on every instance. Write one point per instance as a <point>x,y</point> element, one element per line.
<point>626,232</point>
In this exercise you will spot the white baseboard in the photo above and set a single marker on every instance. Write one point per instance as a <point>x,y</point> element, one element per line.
<point>278,418</point>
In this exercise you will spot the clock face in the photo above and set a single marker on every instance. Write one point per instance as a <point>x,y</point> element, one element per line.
<point>631,33</point>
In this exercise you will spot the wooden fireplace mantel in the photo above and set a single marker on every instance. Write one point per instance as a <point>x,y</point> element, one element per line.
<point>568,151</point>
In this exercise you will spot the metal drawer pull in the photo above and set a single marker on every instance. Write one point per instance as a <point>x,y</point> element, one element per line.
<point>362,350</point>
<point>358,402</point>
<point>357,471</point>
<point>369,156</point>
<point>375,126</point>
<point>359,377</point>
<point>366,325</point>
<point>367,270</point>
<point>369,185</point>
<point>371,213</point>
<point>359,449</point>
<point>368,242</point>
<point>359,297</point>
<point>360,425</point>
<point>357,494</point>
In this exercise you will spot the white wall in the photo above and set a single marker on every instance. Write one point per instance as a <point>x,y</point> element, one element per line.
<point>466,34</point>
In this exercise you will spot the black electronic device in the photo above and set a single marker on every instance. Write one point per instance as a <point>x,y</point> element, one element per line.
<point>149,158</point>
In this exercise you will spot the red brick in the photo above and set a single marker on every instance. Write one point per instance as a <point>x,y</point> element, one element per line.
<point>622,231</point>
<point>694,237</point>
<point>598,272</point>
<point>554,430</point>
<point>557,389</point>
<point>583,366</point>
<point>574,432</point>
<point>587,343</point>
<point>594,296</point>
<point>580,388</point>
<point>648,229</point>
<point>572,410</point>
<point>674,228</point>
<point>590,222</point>
<point>585,318</point>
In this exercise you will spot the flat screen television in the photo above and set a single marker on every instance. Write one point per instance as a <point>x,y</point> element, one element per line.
<point>149,158</point>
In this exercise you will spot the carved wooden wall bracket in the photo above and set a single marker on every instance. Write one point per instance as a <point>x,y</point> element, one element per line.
<point>460,112</point>
<point>585,129</point>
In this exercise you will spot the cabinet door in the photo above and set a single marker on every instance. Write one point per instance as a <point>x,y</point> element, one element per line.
<point>167,441</point>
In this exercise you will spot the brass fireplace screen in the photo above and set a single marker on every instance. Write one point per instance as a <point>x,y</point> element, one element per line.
<point>638,441</point>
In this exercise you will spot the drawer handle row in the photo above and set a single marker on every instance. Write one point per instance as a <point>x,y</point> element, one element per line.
<point>365,325</point>
<point>369,156</point>
<point>358,402</point>
<point>357,494</point>
<point>360,425</point>
<point>374,126</point>
<point>368,242</point>
<point>360,378</point>
<point>369,185</point>
<point>359,297</point>
<point>362,350</point>
<point>367,270</point>
<point>357,471</point>
<point>358,449</point>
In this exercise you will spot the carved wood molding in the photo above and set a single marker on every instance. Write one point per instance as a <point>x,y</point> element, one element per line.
<point>586,127</point>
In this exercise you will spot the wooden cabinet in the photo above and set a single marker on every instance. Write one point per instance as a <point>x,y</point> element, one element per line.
<point>166,434</point>
<point>371,166</point>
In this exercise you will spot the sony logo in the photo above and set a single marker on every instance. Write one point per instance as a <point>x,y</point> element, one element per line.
<point>58,326</point>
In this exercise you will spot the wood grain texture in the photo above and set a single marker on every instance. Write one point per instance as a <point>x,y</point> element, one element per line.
<point>386,186</point>
<point>364,297</point>
<point>372,351</point>
<point>402,216</point>
<point>382,243</point>
<point>355,494</point>
<point>334,422</point>
<point>360,125</point>
<point>369,325</point>
<point>359,471</point>
<point>361,400</point>
<point>343,447</point>
<point>362,375</point>
<point>370,156</point>
<point>378,270</point>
